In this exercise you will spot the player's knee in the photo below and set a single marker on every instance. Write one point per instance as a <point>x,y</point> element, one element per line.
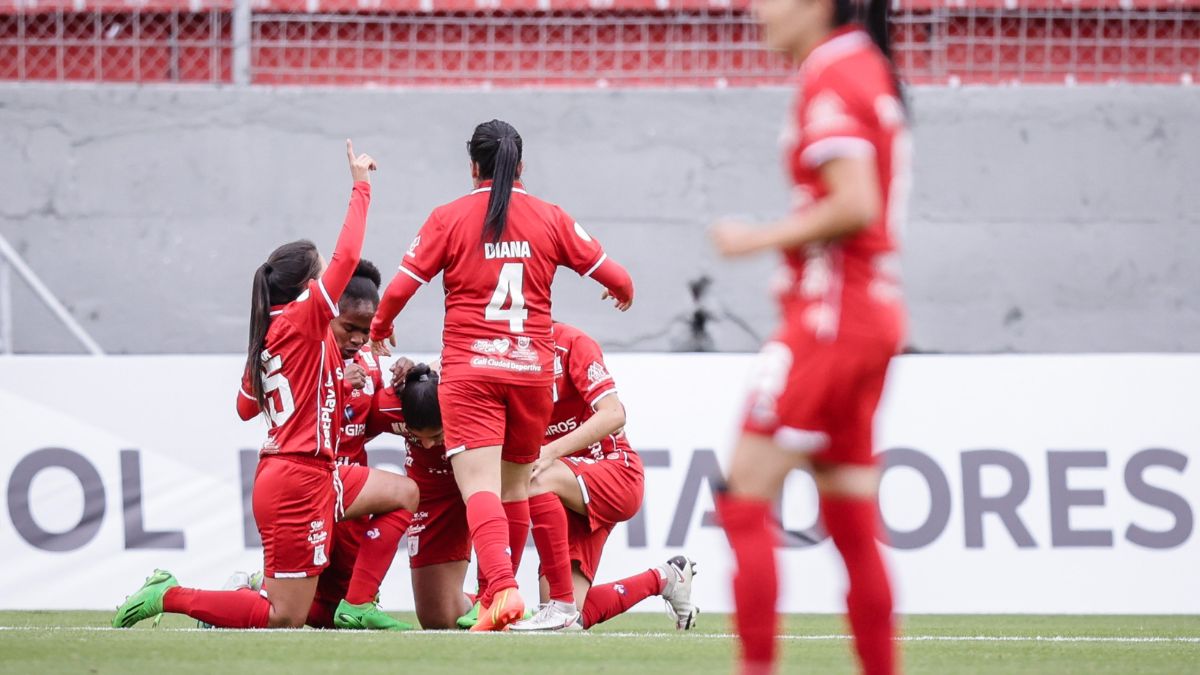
<point>437,620</point>
<point>286,619</point>
<point>406,493</point>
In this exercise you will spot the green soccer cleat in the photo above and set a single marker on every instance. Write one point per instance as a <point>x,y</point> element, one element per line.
<point>468,620</point>
<point>147,602</point>
<point>366,616</point>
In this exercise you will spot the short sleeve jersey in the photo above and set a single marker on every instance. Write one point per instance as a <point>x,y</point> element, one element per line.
<point>497,324</point>
<point>846,106</point>
<point>356,409</point>
<point>302,376</point>
<point>427,467</point>
<point>581,379</point>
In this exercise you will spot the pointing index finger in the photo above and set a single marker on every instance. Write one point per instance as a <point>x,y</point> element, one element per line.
<point>350,150</point>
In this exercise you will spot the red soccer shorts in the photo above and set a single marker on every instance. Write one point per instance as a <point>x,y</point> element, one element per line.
<point>294,502</point>
<point>479,413</point>
<point>353,477</point>
<point>439,532</point>
<point>612,491</point>
<point>818,397</point>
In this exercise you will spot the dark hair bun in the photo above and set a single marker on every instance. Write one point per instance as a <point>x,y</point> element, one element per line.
<point>420,373</point>
<point>368,270</point>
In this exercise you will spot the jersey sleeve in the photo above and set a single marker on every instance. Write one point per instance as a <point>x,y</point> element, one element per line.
<point>247,405</point>
<point>835,120</point>
<point>578,250</point>
<point>588,371</point>
<point>427,255</point>
<point>385,416</point>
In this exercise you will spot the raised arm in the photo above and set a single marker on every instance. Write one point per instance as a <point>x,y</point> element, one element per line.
<point>348,250</point>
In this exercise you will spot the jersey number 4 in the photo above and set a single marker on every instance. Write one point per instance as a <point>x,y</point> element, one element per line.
<point>275,382</point>
<point>509,291</point>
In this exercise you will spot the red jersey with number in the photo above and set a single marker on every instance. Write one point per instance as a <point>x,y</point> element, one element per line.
<point>498,293</point>
<point>846,106</point>
<point>581,379</point>
<point>356,409</point>
<point>302,376</point>
<point>428,467</point>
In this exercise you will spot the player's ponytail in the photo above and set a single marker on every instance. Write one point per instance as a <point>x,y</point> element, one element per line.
<point>362,288</point>
<point>496,148</point>
<point>280,280</point>
<point>419,399</point>
<point>873,15</point>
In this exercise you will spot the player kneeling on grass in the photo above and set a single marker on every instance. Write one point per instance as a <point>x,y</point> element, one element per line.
<point>439,539</point>
<point>347,589</point>
<point>588,466</point>
<point>296,374</point>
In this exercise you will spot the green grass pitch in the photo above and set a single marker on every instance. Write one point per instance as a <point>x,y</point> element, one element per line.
<point>43,643</point>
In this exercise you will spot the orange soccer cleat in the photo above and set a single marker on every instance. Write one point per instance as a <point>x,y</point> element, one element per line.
<point>507,607</point>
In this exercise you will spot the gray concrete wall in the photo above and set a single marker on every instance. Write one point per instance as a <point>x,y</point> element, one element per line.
<point>1043,219</point>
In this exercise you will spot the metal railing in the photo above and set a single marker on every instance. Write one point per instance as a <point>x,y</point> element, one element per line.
<point>10,261</point>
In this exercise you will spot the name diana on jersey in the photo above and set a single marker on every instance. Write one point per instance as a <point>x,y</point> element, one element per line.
<point>506,249</point>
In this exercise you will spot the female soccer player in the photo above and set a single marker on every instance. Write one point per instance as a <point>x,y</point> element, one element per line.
<point>588,466</point>
<point>295,377</point>
<point>439,541</point>
<point>498,248</point>
<point>819,379</point>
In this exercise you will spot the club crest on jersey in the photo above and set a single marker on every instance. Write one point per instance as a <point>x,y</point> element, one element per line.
<point>319,557</point>
<point>412,248</point>
<point>524,351</point>
<point>506,249</point>
<point>348,413</point>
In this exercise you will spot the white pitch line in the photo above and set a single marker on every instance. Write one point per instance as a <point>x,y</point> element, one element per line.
<point>688,636</point>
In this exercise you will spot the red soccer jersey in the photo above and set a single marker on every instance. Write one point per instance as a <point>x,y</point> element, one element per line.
<point>357,409</point>
<point>498,294</point>
<point>428,467</point>
<point>580,380</point>
<point>302,377</point>
<point>846,106</point>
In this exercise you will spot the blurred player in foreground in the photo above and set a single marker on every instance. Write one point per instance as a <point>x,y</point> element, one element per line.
<point>498,249</point>
<point>295,376</point>
<point>588,467</point>
<point>819,379</point>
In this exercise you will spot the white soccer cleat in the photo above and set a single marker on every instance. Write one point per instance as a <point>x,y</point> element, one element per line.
<point>551,616</point>
<point>678,572</point>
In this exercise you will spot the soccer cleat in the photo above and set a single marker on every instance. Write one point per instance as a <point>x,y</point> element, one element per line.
<point>506,608</point>
<point>366,616</point>
<point>146,602</point>
<point>677,593</point>
<point>469,619</point>
<point>235,582</point>
<point>551,616</point>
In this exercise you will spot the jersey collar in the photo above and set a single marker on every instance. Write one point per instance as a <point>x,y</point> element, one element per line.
<point>486,186</point>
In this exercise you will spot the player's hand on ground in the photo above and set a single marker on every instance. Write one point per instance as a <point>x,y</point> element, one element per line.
<point>622,306</point>
<point>355,376</point>
<point>733,238</point>
<point>381,348</point>
<point>361,166</point>
<point>400,370</point>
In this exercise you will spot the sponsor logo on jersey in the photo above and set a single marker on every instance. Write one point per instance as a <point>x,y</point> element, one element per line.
<point>506,249</point>
<point>412,248</point>
<point>316,525</point>
<point>562,427</point>
<point>494,346</point>
<point>354,430</point>
<point>597,373</point>
<point>502,364</point>
<point>558,367</point>
<point>317,537</point>
<point>327,412</point>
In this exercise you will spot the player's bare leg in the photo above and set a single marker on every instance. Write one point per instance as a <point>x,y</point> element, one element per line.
<point>480,484</point>
<point>848,509</point>
<point>756,476</point>
<point>290,600</point>
<point>437,591</point>
<point>383,492</point>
